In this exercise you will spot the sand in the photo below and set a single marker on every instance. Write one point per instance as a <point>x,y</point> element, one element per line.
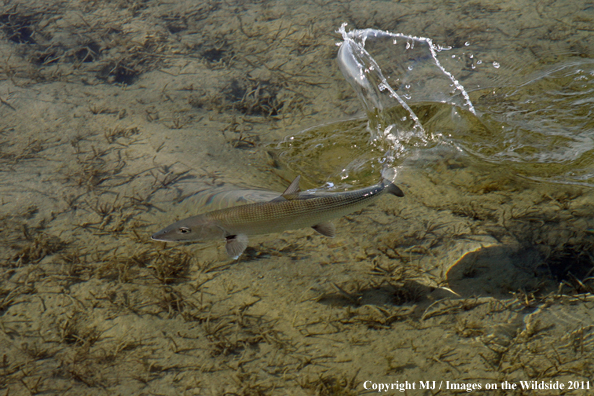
<point>116,115</point>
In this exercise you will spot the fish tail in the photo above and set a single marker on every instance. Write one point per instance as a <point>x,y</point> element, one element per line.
<point>392,188</point>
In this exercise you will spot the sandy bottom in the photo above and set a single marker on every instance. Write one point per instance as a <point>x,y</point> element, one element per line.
<point>115,116</point>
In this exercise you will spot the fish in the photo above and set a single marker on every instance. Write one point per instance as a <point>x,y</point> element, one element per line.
<point>291,210</point>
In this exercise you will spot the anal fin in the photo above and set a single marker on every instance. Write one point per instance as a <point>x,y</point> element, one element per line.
<point>236,244</point>
<point>326,229</point>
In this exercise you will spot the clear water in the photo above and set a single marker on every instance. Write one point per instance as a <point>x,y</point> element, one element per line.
<point>536,125</point>
<point>121,117</point>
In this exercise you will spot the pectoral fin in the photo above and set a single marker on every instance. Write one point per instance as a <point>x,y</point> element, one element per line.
<point>236,244</point>
<point>326,229</point>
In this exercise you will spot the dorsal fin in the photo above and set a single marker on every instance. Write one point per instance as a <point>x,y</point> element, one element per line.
<point>292,192</point>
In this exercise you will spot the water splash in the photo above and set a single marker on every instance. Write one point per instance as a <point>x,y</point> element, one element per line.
<point>410,73</point>
<point>362,51</point>
<point>406,93</point>
<point>518,119</point>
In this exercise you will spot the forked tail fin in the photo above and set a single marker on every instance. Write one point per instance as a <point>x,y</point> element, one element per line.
<point>392,188</point>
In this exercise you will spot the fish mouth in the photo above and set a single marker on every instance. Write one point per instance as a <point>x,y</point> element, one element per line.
<point>158,237</point>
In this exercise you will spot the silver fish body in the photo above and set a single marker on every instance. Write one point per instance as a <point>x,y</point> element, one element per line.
<point>291,210</point>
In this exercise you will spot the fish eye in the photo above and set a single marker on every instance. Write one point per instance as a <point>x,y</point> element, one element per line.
<point>185,230</point>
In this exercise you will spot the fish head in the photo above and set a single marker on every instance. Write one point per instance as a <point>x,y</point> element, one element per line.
<point>193,229</point>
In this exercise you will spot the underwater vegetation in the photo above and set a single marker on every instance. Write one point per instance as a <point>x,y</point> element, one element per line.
<point>102,104</point>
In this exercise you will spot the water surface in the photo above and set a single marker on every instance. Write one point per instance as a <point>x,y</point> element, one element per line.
<point>123,117</point>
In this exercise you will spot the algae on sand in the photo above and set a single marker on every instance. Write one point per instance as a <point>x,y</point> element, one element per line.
<point>109,132</point>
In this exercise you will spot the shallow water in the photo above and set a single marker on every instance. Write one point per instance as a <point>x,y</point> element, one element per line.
<point>538,126</point>
<point>121,118</point>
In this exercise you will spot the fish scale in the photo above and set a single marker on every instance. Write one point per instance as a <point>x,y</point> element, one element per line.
<point>291,210</point>
<point>269,217</point>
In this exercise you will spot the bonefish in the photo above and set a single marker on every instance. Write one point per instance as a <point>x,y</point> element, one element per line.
<point>291,210</point>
